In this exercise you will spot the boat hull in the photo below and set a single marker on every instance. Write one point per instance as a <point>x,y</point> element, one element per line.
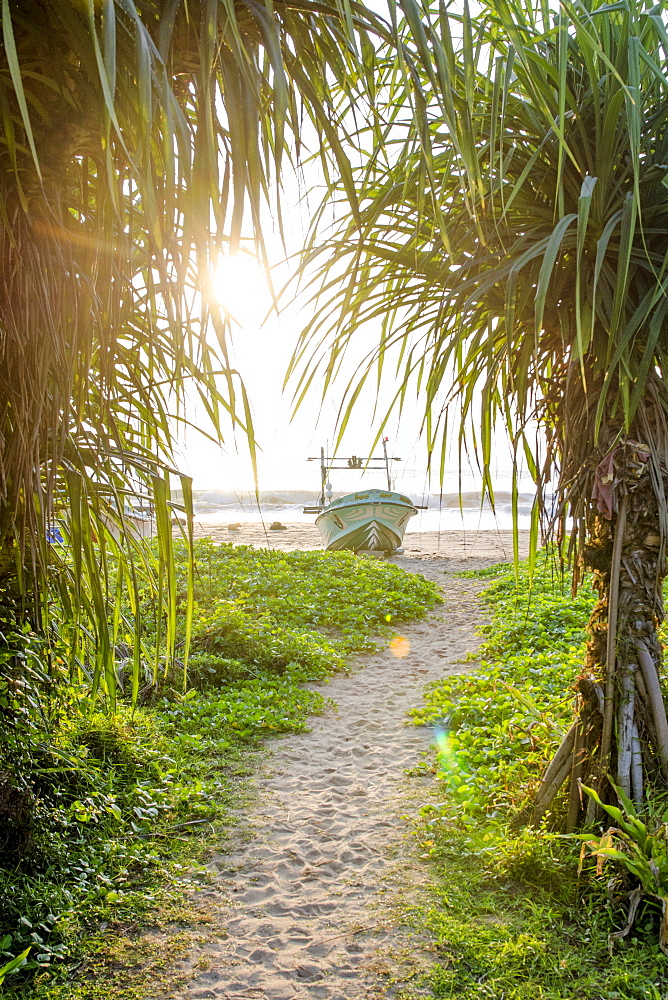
<point>374,520</point>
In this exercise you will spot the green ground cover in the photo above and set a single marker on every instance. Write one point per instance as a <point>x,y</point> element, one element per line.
<point>109,816</point>
<point>512,918</point>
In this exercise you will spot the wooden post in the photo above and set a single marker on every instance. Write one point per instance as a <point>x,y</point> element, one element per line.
<point>323,477</point>
<point>387,466</point>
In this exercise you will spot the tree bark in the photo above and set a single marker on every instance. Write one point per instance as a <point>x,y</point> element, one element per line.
<point>620,736</point>
<point>575,795</point>
<point>611,634</point>
<point>636,769</point>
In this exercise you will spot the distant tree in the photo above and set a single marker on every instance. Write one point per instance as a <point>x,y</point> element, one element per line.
<point>135,138</point>
<point>512,244</point>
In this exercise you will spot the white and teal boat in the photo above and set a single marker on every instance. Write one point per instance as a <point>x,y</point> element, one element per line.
<point>372,520</point>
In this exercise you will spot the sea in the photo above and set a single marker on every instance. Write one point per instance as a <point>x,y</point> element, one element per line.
<point>444,511</point>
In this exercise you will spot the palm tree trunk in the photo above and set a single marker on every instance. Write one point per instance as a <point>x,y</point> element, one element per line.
<point>621,729</point>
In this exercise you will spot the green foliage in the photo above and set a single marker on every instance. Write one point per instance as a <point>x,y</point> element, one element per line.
<point>335,592</point>
<point>512,922</point>
<point>141,142</point>
<point>102,813</point>
<point>511,240</point>
<point>513,919</point>
<point>260,640</point>
<point>258,610</point>
<point>638,852</point>
<point>14,965</point>
<point>102,806</point>
<point>498,726</point>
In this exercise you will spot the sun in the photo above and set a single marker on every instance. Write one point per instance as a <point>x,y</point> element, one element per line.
<point>240,285</point>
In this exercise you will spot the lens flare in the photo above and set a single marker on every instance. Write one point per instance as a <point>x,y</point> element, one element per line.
<point>400,646</point>
<point>451,769</point>
<point>443,748</point>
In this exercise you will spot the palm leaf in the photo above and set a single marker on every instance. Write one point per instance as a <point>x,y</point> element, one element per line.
<point>546,301</point>
<point>135,141</point>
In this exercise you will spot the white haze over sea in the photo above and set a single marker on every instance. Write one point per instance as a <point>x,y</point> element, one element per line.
<point>445,512</point>
<point>223,477</point>
<point>449,519</point>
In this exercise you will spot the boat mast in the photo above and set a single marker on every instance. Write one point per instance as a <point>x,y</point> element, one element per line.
<point>387,465</point>
<point>323,477</point>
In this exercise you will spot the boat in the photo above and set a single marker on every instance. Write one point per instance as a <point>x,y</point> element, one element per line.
<point>139,522</point>
<point>370,520</point>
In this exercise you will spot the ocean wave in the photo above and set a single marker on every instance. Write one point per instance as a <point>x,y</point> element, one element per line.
<point>291,501</point>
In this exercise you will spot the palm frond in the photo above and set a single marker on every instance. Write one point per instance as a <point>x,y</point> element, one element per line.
<point>515,229</point>
<point>136,139</point>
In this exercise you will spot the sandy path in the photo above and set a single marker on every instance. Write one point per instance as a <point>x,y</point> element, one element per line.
<point>313,896</point>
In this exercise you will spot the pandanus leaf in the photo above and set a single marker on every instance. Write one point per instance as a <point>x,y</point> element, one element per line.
<point>516,313</point>
<point>152,135</point>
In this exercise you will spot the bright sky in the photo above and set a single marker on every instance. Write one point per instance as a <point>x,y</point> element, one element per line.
<point>261,353</point>
<point>261,349</point>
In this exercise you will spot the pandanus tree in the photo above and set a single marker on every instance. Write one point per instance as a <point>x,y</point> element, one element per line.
<point>512,247</point>
<point>136,139</point>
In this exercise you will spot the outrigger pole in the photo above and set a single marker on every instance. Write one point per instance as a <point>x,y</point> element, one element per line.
<point>354,462</point>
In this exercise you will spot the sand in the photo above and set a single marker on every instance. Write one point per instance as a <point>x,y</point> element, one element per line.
<point>473,546</point>
<point>312,906</point>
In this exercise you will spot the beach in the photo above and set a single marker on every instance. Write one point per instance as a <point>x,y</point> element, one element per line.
<point>472,549</point>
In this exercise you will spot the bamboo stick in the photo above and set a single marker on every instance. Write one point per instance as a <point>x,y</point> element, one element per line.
<point>655,702</point>
<point>611,641</point>
<point>549,791</point>
<point>574,798</point>
<point>564,750</point>
<point>559,768</point>
<point>625,730</point>
<point>636,768</point>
